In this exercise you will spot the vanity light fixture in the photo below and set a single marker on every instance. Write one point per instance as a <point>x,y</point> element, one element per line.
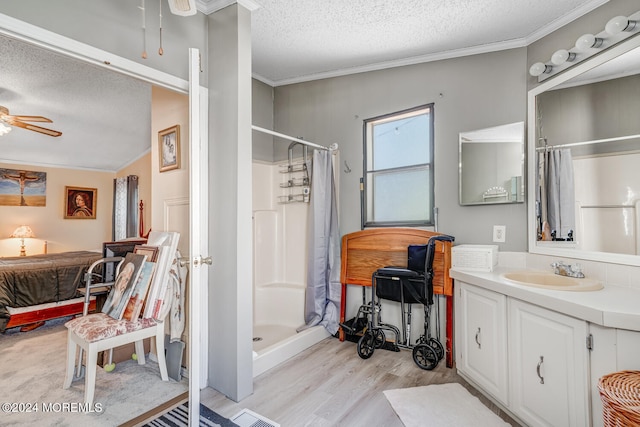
<point>539,68</point>
<point>618,28</point>
<point>619,24</point>
<point>561,56</point>
<point>588,41</point>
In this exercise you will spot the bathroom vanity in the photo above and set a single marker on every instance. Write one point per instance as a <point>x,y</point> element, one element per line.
<point>539,353</point>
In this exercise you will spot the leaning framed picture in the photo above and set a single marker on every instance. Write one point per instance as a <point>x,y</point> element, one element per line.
<point>80,202</point>
<point>169,148</point>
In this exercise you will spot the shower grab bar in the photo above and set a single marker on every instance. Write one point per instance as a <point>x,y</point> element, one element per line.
<point>608,207</point>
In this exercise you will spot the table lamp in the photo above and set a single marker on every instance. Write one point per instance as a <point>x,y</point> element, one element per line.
<point>23,232</point>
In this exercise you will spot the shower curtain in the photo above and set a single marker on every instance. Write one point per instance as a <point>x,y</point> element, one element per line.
<point>560,192</point>
<point>323,292</point>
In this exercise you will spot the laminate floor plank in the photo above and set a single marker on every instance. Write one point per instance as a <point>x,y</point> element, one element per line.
<point>330,385</point>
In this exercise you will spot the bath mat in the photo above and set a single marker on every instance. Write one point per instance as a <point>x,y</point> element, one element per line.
<point>179,416</point>
<point>441,405</point>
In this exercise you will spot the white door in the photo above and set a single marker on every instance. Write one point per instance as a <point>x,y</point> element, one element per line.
<point>199,261</point>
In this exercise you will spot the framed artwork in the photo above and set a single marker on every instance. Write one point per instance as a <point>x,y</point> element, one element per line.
<point>169,148</point>
<point>150,251</point>
<point>22,188</point>
<point>80,203</point>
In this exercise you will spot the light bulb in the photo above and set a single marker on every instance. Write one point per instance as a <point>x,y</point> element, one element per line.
<point>538,68</point>
<point>561,56</point>
<point>587,41</point>
<point>619,24</point>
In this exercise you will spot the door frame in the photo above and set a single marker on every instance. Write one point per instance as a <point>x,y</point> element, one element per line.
<point>34,35</point>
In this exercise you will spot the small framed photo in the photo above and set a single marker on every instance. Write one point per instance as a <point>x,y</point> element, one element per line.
<point>80,203</point>
<point>169,148</point>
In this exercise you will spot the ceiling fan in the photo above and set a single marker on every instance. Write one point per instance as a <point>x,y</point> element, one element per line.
<point>19,121</point>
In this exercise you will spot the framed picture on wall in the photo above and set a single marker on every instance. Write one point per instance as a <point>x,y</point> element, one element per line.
<point>80,203</point>
<point>169,148</point>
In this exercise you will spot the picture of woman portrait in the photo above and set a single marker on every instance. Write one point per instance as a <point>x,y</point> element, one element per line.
<point>112,303</point>
<point>80,203</point>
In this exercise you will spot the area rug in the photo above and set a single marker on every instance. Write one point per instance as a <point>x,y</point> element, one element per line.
<point>441,405</point>
<point>179,416</point>
<point>32,370</point>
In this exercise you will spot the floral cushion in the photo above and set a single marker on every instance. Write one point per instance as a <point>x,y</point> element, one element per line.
<point>99,326</point>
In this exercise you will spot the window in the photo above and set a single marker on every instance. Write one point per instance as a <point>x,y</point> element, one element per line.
<point>398,170</point>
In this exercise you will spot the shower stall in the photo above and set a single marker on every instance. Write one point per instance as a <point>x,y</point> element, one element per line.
<point>280,214</point>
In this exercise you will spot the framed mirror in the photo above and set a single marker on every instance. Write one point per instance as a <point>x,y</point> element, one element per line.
<point>491,164</point>
<point>583,157</point>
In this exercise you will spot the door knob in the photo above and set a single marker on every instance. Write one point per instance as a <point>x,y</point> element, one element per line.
<point>207,260</point>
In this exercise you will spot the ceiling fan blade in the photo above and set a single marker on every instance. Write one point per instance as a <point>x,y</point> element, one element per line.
<point>34,128</point>
<point>32,119</point>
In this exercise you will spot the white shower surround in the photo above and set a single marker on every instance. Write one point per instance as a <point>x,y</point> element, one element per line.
<point>279,266</point>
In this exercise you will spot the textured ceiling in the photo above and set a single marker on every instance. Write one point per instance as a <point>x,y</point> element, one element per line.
<point>105,117</point>
<point>298,40</point>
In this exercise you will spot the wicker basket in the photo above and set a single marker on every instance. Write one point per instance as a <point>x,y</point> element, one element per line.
<point>620,394</point>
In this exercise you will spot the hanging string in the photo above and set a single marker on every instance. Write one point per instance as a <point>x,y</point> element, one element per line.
<point>160,50</point>
<point>144,33</point>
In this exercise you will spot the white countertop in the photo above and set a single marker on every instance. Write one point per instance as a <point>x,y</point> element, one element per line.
<point>614,306</point>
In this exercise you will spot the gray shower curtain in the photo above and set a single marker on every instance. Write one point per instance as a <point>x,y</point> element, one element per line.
<point>560,192</point>
<point>323,292</point>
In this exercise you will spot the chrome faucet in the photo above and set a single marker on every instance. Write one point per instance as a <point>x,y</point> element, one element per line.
<point>562,269</point>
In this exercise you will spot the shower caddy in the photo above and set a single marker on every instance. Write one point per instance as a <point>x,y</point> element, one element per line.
<point>297,184</point>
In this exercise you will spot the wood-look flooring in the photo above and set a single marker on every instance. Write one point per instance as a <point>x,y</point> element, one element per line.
<point>330,385</point>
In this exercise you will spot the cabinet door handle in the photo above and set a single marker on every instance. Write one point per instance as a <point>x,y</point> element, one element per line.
<point>538,370</point>
<point>477,338</point>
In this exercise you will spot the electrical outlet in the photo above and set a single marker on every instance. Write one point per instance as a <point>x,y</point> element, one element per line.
<point>499,233</point>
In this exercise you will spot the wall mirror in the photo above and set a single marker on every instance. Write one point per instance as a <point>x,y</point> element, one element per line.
<point>491,164</point>
<point>583,157</point>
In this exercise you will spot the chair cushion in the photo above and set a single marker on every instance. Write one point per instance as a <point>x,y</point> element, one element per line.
<point>99,326</point>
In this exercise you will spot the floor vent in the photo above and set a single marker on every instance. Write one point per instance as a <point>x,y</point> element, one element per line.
<point>247,418</point>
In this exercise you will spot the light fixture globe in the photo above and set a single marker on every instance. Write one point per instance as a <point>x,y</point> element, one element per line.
<point>588,41</point>
<point>539,68</point>
<point>618,24</point>
<point>561,56</point>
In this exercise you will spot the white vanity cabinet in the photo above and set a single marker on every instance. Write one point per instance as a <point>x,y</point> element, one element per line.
<point>548,366</point>
<point>481,331</point>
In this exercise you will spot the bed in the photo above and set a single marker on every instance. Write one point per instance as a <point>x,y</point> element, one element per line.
<point>41,287</point>
<point>363,252</point>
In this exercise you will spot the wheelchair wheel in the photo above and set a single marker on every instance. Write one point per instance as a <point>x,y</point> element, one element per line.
<point>379,338</point>
<point>438,347</point>
<point>425,357</point>
<point>366,345</point>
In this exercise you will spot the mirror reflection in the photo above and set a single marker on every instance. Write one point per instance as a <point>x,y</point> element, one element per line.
<point>491,165</point>
<point>587,152</point>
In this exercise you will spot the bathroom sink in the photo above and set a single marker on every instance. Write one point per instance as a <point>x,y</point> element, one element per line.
<point>545,280</point>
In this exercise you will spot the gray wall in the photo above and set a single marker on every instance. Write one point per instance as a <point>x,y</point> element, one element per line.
<point>469,93</point>
<point>262,111</point>
<point>116,26</point>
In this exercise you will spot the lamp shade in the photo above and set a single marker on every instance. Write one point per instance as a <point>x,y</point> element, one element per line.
<point>23,232</point>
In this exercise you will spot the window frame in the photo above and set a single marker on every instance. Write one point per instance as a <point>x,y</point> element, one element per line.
<point>430,166</point>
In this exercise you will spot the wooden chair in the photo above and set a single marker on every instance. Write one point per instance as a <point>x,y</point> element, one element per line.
<point>98,332</point>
